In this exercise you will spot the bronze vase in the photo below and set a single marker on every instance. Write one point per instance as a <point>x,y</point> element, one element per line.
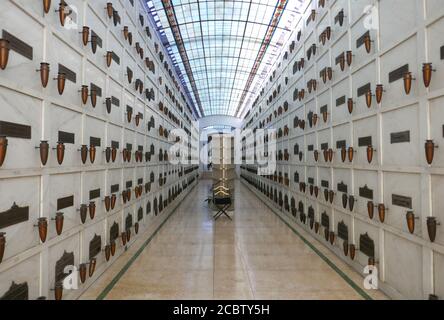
<point>60,152</point>
<point>3,149</point>
<point>84,153</point>
<point>429,151</point>
<point>125,32</point>
<point>46,5</point>
<point>85,35</point>
<point>331,195</point>
<point>427,70</point>
<point>343,153</point>
<point>93,97</point>
<point>44,152</point>
<point>61,81</point>
<point>381,212</point>
<point>107,252</point>
<point>113,248</point>
<point>370,152</point>
<point>108,154</point>
<point>123,237</point>
<point>108,105</point>
<point>83,211</point>
<point>113,154</point>
<point>332,238</point>
<point>136,227</point>
<point>107,201</point>
<point>44,73</point>
<point>94,44</point>
<point>42,225</point>
<point>58,291</point>
<point>82,272</point>
<point>431,228</point>
<point>351,153</point>
<point>368,98</point>
<point>408,78</point>
<point>345,247</point>
<point>344,200</point>
<point>349,56</point>
<point>352,251</point>
<point>113,201</point>
<point>84,94</point>
<point>410,218</point>
<point>109,9</point>
<point>92,209</point>
<point>92,153</point>
<point>4,53</point>
<point>370,209</point>
<point>379,92</point>
<point>109,58</point>
<point>92,267</point>
<point>350,105</point>
<point>59,222</point>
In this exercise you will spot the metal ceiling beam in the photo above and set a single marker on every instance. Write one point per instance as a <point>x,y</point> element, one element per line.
<point>277,14</point>
<point>172,20</point>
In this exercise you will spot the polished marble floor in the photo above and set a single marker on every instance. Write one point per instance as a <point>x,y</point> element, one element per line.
<point>255,256</point>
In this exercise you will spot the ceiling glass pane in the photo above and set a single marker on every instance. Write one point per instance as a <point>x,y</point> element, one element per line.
<point>223,40</point>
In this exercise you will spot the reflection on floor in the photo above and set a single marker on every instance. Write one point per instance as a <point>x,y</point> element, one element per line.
<point>255,256</point>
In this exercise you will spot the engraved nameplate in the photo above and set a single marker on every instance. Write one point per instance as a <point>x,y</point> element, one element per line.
<point>114,232</point>
<point>325,220</point>
<point>97,89</point>
<point>339,58</point>
<point>338,16</point>
<point>94,194</point>
<point>18,45</point>
<point>323,109</point>
<point>15,130</point>
<point>324,146</point>
<point>95,246</point>
<point>67,259</point>
<point>367,245</point>
<point>69,74</point>
<point>16,292</point>
<point>115,188</point>
<point>129,184</point>
<point>128,222</point>
<point>66,137</point>
<point>94,142</point>
<point>66,202</point>
<point>342,231</point>
<point>442,52</point>
<point>14,215</point>
<point>115,57</point>
<point>129,146</point>
<point>115,144</point>
<point>400,137</point>
<point>340,101</point>
<point>310,181</point>
<point>98,39</point>
<point>310,147</point>
<point>140,181</point>
<point>360,41</point>
<point>402,201</point>
<point>115,101</point>
<point>365,192</point>
<point>296,177</point>
<point>365,141</point>
<point>342,187</point>
<point>340,144</point>
<point>398,73</point>
<point>325,184</point>
<point>364,89</point>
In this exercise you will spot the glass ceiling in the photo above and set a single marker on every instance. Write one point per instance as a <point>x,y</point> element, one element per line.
<point>224,49</point>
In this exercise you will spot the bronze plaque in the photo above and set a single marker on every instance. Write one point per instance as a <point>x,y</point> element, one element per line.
<point>340,101</point>
<point>324,184</point>
<point>115,144</point>
<point>97,89</point>
<point>129,146</point>
<point>16,292</point>
<point>115,188</point>
<point>324,146</point>
<point>360,41</point>
<point>340,144</point>
<point>128,222</point>
<point>13,216</point>
<point>115,101</point>
<point>364,89</point>
<point>397,74</point>
<point>342,231</point>
<point>140,181</point>
<point>115,57</point>
<point>94,194</point>
<point>95,246</point>
<point>365,192</point>
<point>323,109</point>
<point>400,137</point>
<point>93,141</point>
<point>342,187</point>
<point>310,147</point>
<point>365,141</point>
<point>67,259</point>
<point>69,74</point>
<point>18,45</point>
<point>129,184</point>
<point>367,245</point>
<point>114,232</point>
<point>15,130</point>
<point>66,202</point>
<point>325,220</point>
<point>402,201</point>
<point>66,137</point>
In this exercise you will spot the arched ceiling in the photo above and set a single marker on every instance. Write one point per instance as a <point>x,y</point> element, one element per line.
<point>224,49</point>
